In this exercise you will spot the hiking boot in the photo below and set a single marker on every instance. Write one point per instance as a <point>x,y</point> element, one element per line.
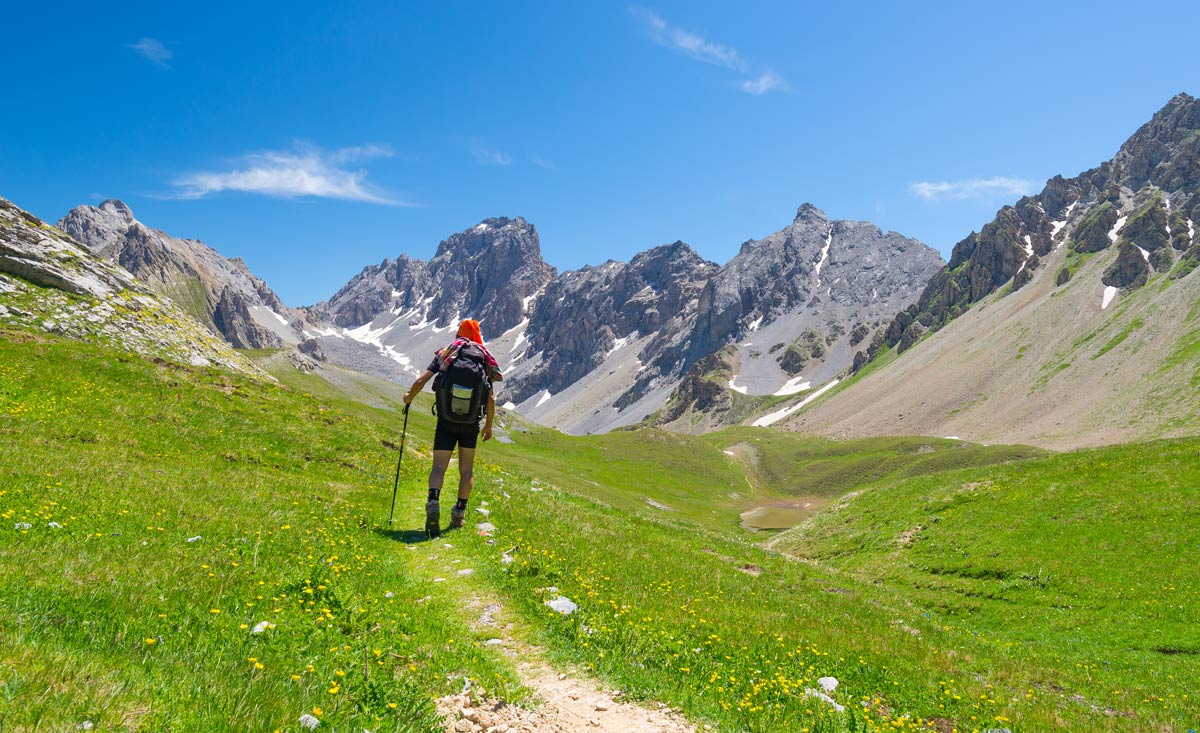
<point>433,516</point>
<point>457,517</point>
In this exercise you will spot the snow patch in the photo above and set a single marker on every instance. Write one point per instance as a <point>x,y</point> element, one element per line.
<point>734,386</point>
<point>1058,225</point>
<point>480,228</point>
<point>546,395</point>
<point>521,337</point>
<point>792,386</point>
<point>824,254</point>
<point>619,343</point>
<point>453,325</point>
<point>508,405</point>
<point>1028,246</point>
<point>775,417</point>
<point>1191,231</point>
<point>1116,230</point>
<point>754,325</point>
<point>374,337</point>
<point>1110,292</point>
<point>1145,254</point>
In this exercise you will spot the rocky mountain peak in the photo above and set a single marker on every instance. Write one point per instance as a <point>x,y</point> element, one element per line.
<point>491,233</point>
<point>487,272</point>
<point>808,212</point>
<point>118,209</point>
<point>1163,151</point>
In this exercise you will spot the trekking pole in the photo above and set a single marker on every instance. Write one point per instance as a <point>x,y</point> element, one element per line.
<point>396,485</point>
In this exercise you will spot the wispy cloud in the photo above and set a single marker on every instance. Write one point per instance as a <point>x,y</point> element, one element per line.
<point>543,163</point>
<point>153,51</point>
<point>304,171</point>
<point>764,83</point>
<point>698,48</point>
<point>486,156</point>
<point>973,188</point>
<point>691,44</point>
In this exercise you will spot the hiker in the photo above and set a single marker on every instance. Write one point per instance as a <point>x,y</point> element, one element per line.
<point>464,373</point>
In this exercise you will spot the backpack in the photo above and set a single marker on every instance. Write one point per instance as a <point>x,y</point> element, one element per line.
<point>461,389</point>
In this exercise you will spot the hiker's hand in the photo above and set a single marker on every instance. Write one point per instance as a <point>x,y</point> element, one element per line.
<point>487,433</point>
<point>408,398</point>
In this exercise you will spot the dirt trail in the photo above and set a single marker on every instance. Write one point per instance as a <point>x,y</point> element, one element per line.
<point>568,704</point>
<point>565,703</point>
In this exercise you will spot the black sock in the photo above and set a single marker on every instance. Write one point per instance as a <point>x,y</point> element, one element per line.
<point>461,505</point>
<point>434,494</point>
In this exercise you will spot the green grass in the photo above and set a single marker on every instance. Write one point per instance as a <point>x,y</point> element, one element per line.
<point>117,618</point>
<point>190,295</point>
<point>804,465</point>
<point>1054,577</point>
<point>1081,561</point>
<point>1115,341</point>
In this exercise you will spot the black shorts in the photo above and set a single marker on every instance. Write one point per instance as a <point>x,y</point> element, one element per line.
<point>449,434</point>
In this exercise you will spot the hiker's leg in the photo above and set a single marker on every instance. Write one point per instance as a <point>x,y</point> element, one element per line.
<point>437,474</point>
<point>466,473</point>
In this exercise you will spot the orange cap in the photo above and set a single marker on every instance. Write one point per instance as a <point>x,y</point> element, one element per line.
<point>469,328</point>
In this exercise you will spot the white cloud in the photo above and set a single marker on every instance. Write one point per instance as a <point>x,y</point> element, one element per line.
<point>764,83</point>
<point>304,171</point>
<point>153,51</point>
<point>544,163</point>
<point>360,152</point>
<point>486,156</point>
<point>698,48</point>
<point>973,188</point>
<point>691,44</point>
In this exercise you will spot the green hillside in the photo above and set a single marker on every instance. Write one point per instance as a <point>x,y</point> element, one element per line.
<point>155,516</point>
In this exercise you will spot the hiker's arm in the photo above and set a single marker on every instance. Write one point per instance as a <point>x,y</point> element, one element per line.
<point>491,415</point>
<point>418,386</point>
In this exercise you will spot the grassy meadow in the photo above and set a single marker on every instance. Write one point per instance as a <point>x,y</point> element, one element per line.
<point>183,549</point>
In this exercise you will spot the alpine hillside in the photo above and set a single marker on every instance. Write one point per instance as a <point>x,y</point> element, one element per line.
<point>610,345</point>
<point>52,284</point>
<point>1072,318</point>
<point>221,293</point>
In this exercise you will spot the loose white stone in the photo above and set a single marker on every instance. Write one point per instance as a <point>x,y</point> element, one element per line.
<point>309,721</point>
<point>563,605</point>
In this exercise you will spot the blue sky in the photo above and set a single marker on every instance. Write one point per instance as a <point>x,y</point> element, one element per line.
<point>312,139</point>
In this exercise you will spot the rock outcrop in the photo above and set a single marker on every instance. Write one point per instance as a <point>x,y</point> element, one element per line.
<point>221,293</point>
<point>50,283</point>
<point>1143,200</point>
